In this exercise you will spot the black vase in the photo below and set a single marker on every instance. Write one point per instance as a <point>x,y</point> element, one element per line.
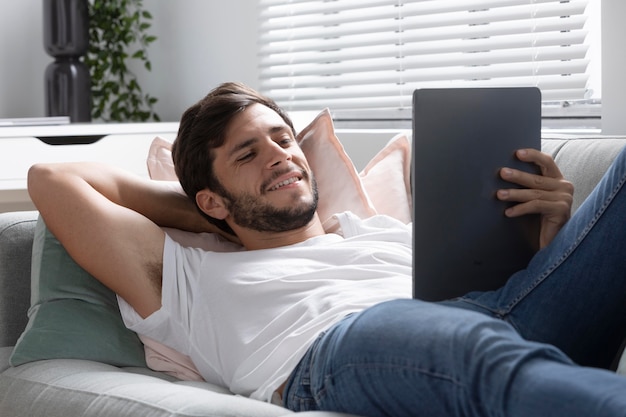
<point>67,80</point>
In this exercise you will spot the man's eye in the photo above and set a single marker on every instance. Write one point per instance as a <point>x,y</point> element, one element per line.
<point>246,157</point>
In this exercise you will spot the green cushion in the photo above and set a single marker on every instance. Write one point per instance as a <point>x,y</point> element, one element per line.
<point>72,315</point>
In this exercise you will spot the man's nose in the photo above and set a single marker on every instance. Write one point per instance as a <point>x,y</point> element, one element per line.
<point>277,155</point>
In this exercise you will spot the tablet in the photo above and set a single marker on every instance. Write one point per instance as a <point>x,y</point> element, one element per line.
<point>462,241</point>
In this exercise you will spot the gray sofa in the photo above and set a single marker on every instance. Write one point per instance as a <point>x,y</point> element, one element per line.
<point>71,387</point>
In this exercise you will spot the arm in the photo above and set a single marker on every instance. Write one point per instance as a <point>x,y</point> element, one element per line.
<point>548,194</point>
<point>108,221</point>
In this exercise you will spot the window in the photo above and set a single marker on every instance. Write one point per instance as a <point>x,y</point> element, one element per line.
<point>364,58</point>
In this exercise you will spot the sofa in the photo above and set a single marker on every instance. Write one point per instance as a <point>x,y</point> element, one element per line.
<point>82,387</point>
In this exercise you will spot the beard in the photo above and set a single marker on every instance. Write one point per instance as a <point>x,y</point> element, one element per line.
<point>248,211</point>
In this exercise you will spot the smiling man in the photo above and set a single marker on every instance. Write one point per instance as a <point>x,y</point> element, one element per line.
<point>325,321</point>
<point>282,200</point>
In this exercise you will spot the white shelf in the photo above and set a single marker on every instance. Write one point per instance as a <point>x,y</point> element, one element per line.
<point>86,129</point>
<point>123,145</point>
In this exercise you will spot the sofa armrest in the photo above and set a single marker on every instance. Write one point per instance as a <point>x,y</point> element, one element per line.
<point>16,239</point>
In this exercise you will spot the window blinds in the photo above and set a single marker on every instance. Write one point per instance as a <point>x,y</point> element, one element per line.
<point>367,56</point>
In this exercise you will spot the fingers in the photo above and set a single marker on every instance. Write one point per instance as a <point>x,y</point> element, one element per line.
<point>547,194</point>
<point>537,193</point>
<point>554,208</point>
<point>547,204</point>
<point>554,214</point>
<point>542,160</point>
<point>521,195</point>
<point>550,179</point>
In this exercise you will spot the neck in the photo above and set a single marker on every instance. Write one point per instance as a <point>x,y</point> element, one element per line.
<point>254,240</point>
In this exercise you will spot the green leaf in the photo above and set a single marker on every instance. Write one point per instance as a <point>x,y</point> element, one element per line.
<point>117,28</point>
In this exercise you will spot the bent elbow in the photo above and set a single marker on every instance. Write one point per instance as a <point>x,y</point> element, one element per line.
<point>40,182</point>
<point>37,175</point>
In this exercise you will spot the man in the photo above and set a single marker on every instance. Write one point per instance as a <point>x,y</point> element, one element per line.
<point>325,320</point>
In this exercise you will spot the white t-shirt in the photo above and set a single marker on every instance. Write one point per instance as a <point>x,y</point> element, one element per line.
<point>247,317</point>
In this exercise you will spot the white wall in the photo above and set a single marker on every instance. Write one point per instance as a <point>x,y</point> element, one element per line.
<point>200,44</point>
<point>613,64</point>
<point>22,59</point>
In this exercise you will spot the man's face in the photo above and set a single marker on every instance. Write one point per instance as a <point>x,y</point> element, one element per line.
<point>267,181</point>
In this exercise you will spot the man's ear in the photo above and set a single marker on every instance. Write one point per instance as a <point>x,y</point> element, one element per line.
<point>211,204</point>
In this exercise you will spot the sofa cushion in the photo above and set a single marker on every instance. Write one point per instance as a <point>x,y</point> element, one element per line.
<point>583,160</point>
<point>5,354</point>
<point>72,315</point>
<point>63,387</point>
<point>16,238</point>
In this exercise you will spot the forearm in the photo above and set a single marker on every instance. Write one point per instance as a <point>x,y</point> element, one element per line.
<point>54,186</point>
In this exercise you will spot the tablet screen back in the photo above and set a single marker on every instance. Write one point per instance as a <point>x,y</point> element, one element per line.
<point>461,138</point>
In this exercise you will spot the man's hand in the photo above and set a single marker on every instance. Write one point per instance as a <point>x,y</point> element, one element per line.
<point>548,194</point>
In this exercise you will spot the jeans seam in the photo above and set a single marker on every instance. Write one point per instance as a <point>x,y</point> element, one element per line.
<point>320,394</point>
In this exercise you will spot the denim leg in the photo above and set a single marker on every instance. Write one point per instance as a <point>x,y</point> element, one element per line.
<point>413,358</point>
<point>573,293</point>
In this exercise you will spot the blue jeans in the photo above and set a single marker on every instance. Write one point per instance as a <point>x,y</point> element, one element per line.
<point>517,351</point>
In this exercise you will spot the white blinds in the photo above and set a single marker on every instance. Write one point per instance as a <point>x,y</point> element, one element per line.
<point>367,56</point>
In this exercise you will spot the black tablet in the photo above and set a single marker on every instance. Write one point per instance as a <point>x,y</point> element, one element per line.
<point>461,138</point>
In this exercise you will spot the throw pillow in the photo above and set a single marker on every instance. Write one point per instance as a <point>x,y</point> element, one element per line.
<point>164,359</point>
<point>340,188</point>
<point>160,165</point>
<point>387,179</point>
<point>72,315</point>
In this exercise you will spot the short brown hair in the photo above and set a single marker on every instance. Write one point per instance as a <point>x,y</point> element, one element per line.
<point>201,130</point>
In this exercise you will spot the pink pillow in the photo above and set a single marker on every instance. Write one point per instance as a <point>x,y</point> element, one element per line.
<point>383,187</point>
<point>160,165</point>
<point>387,179</point>
<point>340,188</point>
<point>165,359</point>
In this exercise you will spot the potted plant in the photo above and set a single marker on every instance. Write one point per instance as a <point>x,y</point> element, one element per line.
<point>118,34</point>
